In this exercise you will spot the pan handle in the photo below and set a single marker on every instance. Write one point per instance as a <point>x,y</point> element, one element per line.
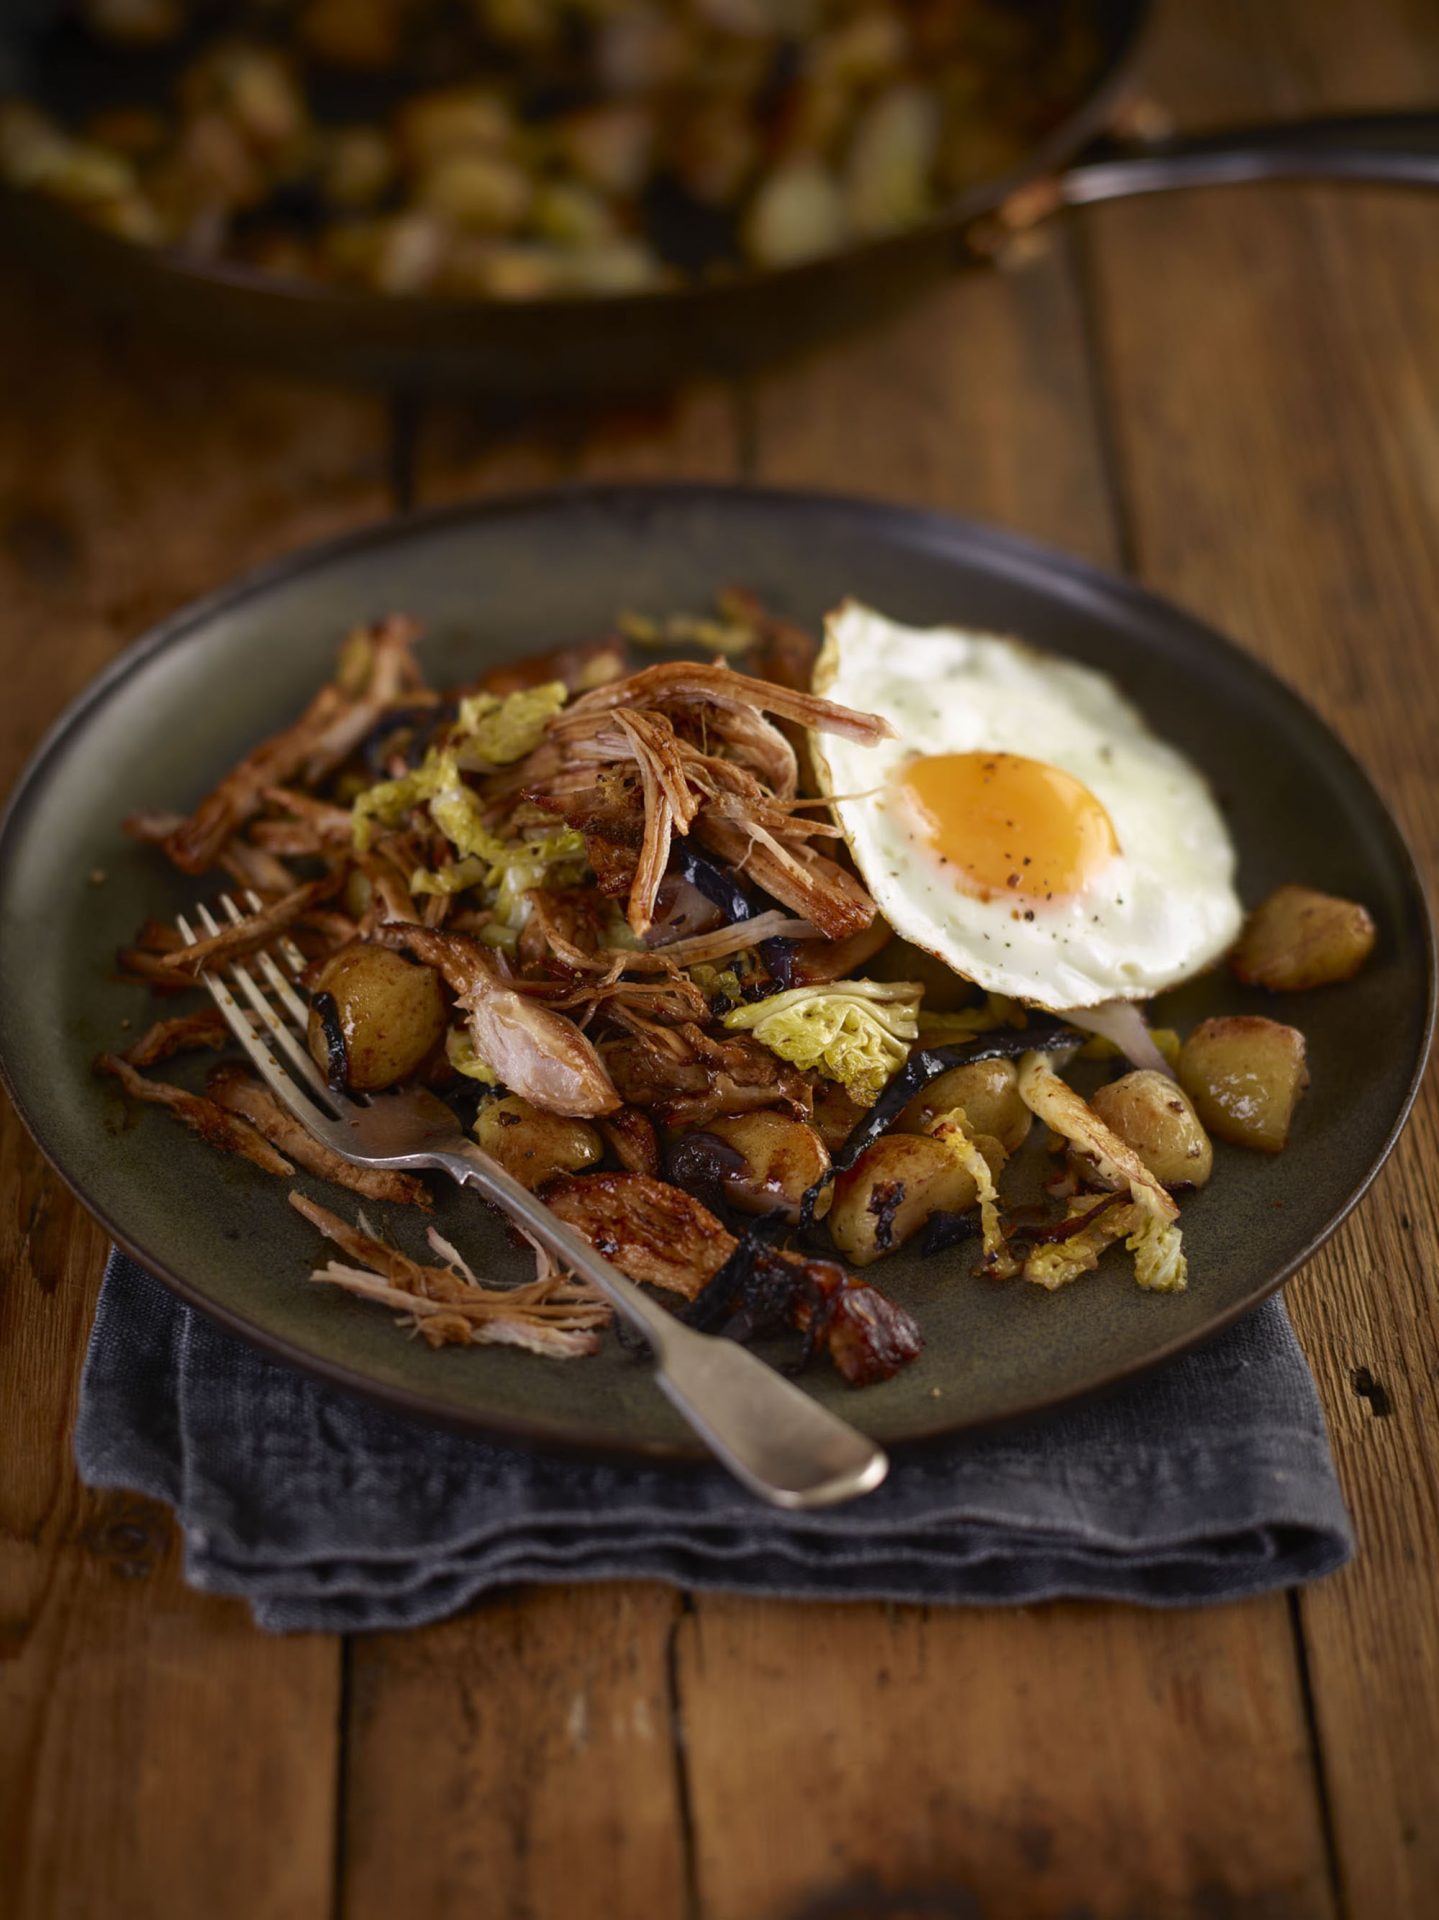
<point>1376,149</point>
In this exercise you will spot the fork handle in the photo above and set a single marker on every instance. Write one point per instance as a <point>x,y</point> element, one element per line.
<point>772,1436</point>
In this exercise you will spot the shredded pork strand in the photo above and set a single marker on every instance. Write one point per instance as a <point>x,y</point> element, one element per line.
<point>152,826</point>
<point>330,728</point>
<point>253,867</point>
<point>655,1233</point>
<point>721,942</point>
<point>690,683</point>
<point>808,883</point>
<point>538,1054</point>
<point>213,1124</point>
<point>239,1092</point>
<point>255,931</point>
<point>707,761</point>
<point>555,1315</point>
<point>186,1033</point>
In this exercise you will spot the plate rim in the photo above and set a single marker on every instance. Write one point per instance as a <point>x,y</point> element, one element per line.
<point>1022,558</point>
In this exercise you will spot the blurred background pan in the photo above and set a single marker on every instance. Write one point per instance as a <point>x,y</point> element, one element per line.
<point>630,343</point>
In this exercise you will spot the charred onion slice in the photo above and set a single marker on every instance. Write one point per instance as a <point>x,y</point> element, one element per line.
<point>927,1063</point>
<point>867,1336</point>
<point>337,1051</point>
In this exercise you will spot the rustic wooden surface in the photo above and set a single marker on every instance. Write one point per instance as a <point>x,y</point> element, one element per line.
<point>1237,396</point>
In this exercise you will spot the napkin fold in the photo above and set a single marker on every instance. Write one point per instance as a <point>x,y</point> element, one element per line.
<point>1206,1480</point>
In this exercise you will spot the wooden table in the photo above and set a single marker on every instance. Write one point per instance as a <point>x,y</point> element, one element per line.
<point>1236,396</point>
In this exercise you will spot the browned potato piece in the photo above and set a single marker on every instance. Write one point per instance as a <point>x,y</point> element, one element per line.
<point>391,1012</point>
<point>1245,1075</point>
<point>1298,938</point>
<point>891,1191</point>
<point>836,1114</point>
<point>532,1145</point>
<point>945,991</point>
<point>783,1159</point>
<point>988,1090</point>
<point>1152,1115</point>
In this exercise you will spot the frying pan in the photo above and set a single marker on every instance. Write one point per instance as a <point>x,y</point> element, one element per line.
<point>631,343</point>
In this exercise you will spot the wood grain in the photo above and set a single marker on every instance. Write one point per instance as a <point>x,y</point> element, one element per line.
<point>1044,1762</point>
<point>979,402</point>
<point>157,1755</point>
<point>1276,397</point>
<point>1239,393</point>
<point>464,451</point>
<point>518,1762</point>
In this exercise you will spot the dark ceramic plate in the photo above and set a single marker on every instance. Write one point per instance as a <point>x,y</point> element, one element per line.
<point>505,579</point>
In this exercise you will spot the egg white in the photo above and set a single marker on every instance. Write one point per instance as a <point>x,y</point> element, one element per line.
<point>1161,910</point>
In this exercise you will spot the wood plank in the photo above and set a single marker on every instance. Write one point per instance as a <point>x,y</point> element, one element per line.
<point>1277,396</point>
<point>978,402</point>
<point>1044,1762</point>
<point>464,450</point>
<point>157,1755</point>
<point>518,1761</point>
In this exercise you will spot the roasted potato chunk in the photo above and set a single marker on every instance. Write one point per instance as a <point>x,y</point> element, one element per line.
<point>533,1145</point>
<point>391,1013</point>
<point>783,1159</point>
<point>836,1114</point>
<point>1298,939</point>
<point>1155,1117</point>
<point>1245,1075</point>
<point>988,1091</point>
<point>891,1191</point>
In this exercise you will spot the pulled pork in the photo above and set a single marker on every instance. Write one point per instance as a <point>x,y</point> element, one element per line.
<point>599,866</point>
<point>662,1235</point>
<point>446,1305</point>
<point>706,760</point>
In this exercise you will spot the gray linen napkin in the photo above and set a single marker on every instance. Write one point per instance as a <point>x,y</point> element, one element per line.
<point>1205,1481</point>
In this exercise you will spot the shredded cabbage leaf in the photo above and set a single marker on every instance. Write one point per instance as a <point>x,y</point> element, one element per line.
<point>715,982</point>
<point>556,859</point>
<point>488,732</point>
<point>387,802</point>
<point>998,1011</point>
<point>451,878</point>
<point>491,731</point>
<point>1160,1265</point>
<point>953,1130</point>
<point>726,637</point>
<point>858,1032</point>
<point>1057,1265</point>
<point>508,869</point>
<point>438,783</point>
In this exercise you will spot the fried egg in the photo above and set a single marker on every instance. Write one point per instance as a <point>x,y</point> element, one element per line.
<point>1024,825</point>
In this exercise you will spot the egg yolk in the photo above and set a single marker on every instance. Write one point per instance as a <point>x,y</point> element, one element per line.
<point>1007,825</point>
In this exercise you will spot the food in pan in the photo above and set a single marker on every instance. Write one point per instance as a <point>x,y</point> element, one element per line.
<point>747,966</point>
<point>522,149</point>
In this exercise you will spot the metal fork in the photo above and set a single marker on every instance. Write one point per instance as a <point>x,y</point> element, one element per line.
<point>780,1443</point>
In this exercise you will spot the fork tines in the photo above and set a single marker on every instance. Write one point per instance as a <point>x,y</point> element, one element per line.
<point>264,1022</point>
